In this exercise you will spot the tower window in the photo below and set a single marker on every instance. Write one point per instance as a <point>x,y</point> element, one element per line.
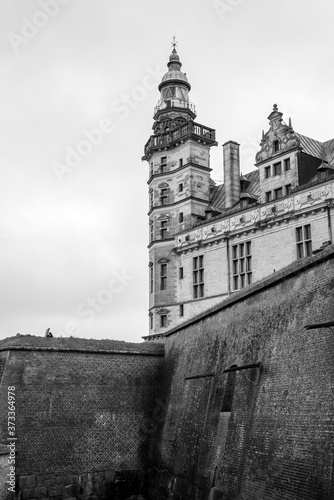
<point>181,187</point>
<point>163,276</point>
<point>151,231</point>
<point>180,273</point>
<point>163,229</point>
<point>181,310</point>
<point>266,172</point>
<point>163,320</point>
<point>151,279</point>
<point>181,162</point>
<point>277,168</point>
<point>151,199</point>
<point>304,241</point>
<point>151,169</point>
<point>163,164</point>
<point>198,277</point>
<point>241,265</point>
<point>287,164</point>
<point>163,196</point>
<point>180,217</point>
<point>151,322</point>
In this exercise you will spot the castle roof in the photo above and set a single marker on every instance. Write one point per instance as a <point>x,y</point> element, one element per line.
<point>251,189</point>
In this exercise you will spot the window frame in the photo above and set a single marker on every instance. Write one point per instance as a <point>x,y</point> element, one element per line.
<point>198,277</point>
<point>277,167</point>
<point>163,277</point>
<point>242,274</point>
<point>303,241</point>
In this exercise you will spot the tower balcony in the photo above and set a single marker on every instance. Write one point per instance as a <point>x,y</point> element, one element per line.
<point>174,102</point>
<point>169,139</point>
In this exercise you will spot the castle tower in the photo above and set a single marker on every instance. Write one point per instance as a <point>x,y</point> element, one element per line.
<point>178,154</point>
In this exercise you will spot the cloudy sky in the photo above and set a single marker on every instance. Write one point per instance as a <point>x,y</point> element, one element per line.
<point>78,87</point>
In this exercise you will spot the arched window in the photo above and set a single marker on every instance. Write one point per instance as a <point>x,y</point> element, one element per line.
<point>276,146</point>
<point>229,391</point>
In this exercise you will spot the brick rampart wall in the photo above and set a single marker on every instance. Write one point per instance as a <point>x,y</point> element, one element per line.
<point>83,419</point>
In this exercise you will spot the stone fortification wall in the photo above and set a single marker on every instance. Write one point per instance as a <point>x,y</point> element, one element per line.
<point>83,414</point>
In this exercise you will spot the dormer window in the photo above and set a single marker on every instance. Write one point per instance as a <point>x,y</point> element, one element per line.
<point>276,146</point>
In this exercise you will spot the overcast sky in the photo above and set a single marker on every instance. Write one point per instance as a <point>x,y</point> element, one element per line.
<point>78,86</point>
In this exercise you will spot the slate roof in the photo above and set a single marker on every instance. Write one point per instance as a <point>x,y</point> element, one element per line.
<point>79,344</point>
<point>252,189</point>
<point>323,150</point>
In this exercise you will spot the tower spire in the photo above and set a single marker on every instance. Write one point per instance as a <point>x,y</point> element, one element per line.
<point>174,43</point>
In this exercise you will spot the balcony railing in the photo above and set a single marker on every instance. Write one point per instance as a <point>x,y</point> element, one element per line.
<point>175,103</point>
<point>204,133</point>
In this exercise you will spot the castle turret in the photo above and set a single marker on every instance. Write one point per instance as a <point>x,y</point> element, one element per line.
<point>178,154</point>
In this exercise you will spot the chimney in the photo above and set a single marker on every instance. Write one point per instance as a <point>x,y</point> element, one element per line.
<point>231,173</point>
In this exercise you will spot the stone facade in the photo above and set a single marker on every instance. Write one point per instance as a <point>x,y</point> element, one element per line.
<point>246,229</point>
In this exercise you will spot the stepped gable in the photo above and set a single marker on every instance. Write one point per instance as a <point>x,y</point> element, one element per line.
<point>31,342</point>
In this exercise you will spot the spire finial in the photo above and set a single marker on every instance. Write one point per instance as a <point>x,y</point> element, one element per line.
<point>275,107</point>
<point>174,44</point>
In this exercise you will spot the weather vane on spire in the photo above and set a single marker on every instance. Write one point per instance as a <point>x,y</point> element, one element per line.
<point>174,43</point>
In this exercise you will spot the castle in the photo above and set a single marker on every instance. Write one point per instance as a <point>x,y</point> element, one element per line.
<point>207,241</point>
<point>237,402</point>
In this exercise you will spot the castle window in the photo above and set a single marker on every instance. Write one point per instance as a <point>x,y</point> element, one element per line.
<point>163,276</point>
<point>304,241</point>
<point>151,322</point>
<point>287,164</point>
<point>163,164</point>
<point>151,279</point>
<point>198,276</point>
<point>229,391</point>
<point>181,187</point>
<point>163,229</point>
<point>180,217</point>
<point>163,196</point>
<point>181,162</point>
<point>268,196</point>
<point>241,265</point>
<point>276,147</point>
<point>266,172</point>
<point>288,189</point>
<point>277,168</point>
<point>180,273</point>
<point>181,310</point>
<point>151,231</point>
<point>278,193</point>
<point>163,320</point>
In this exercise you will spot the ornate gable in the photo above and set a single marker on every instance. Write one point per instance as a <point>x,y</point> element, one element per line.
<point>279,138</point>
